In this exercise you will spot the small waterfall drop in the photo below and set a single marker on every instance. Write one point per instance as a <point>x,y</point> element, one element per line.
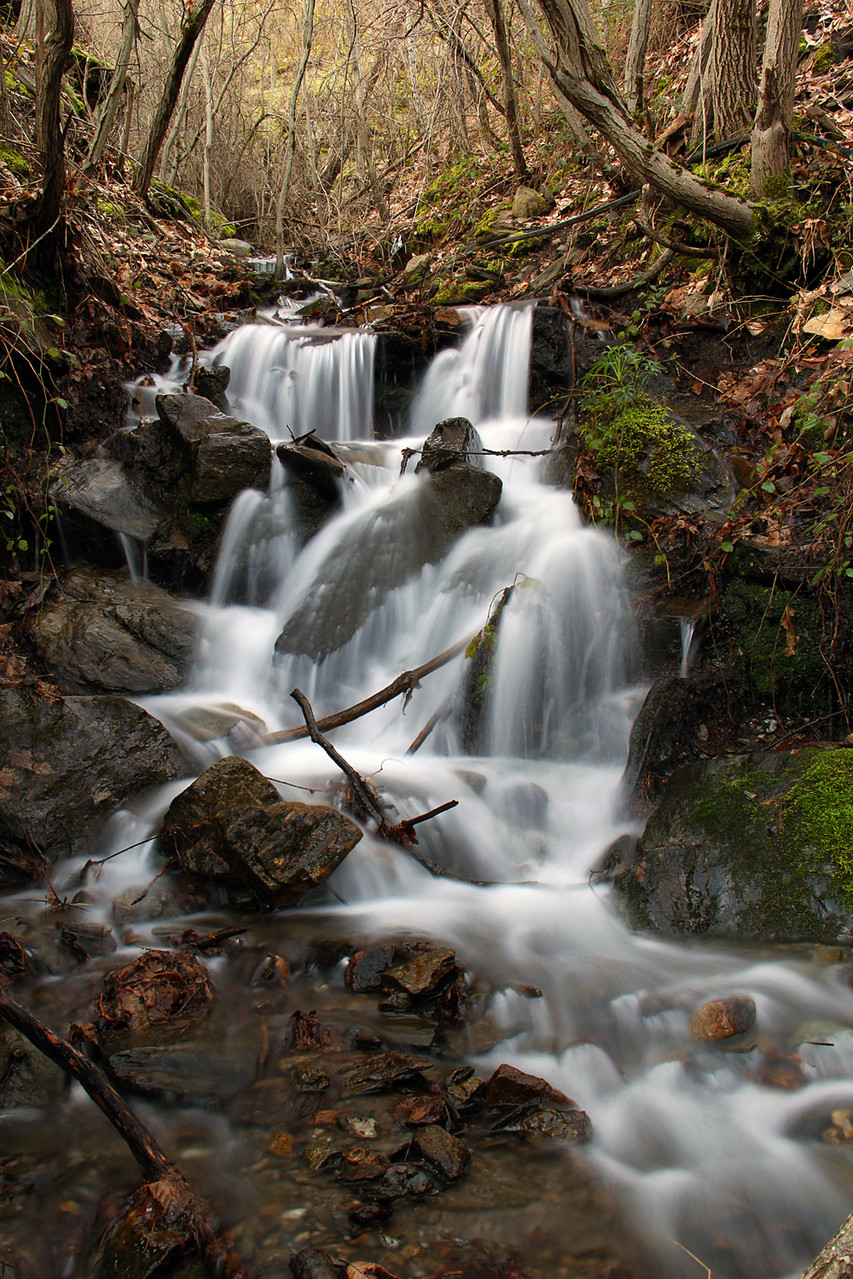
<point>702,1152</point>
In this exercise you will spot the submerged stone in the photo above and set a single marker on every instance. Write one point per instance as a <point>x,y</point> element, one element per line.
<point>444,1152</point>
<point>722,1018</point>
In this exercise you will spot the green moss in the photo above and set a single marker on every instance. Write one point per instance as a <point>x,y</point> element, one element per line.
<point>652,452</point>
<point>486,223</point>
<point>14,160</point>
<point>109,210</point>
<point>824,58</point>
<point>777,637</point>
<point>817,814</point>
<point>461,292</point>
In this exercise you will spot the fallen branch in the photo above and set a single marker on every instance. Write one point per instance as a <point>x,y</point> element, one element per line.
<point>686,250</point>
<point>167,1182</point>
<point>367,804</point>
<point>405,683</point>
<point>619,290</point>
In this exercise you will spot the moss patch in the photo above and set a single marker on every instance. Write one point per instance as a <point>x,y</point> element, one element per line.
<point>14,161</point>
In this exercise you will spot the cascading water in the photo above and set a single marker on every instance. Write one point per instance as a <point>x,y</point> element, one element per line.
<point>703,1155</point>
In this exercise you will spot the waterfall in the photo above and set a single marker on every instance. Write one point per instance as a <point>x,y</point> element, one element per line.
<point>705,1157</point>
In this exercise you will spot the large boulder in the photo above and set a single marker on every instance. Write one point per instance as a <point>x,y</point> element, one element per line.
<point>98,503</point>
<point>453,442</point>
<point>221,455</point>
<point>315,481</point>
<point>750,846</point>
<point>231,824</point>
<point>66,765</point>
<point>104,633</point>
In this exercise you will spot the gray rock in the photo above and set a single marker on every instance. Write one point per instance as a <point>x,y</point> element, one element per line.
<point>316,478</point>
<point>222,455</point>
<point>66,765</point>
<point>237,248</point>
<point>212,383</point>
<point>386,549</point>
<point>105,633</point>
<point>416,268</point>
<point>451,442</point>
<point>528,203</point>
<point>97,500</point>
<point>749,846</point>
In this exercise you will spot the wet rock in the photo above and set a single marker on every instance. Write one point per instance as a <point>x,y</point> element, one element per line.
<point>560,1125</point>
<point>316,479</point>
<point>405,1181</point>
<point>305,1030</point>
<point>422,972</point>
<point>749,846</point>
<point>308,1077</point>
<point>319,1155</point>
<point>386,547</point>
<point>232,824</point>
<point>365,968</point>
<point>782,1070</point>
<point>182,1070</point>
<point>108,634</point>
<point>87,940</point>
<point>27,1077</point>
<point>417,1112</point>
<point>96,501</point>
<point>14,961</point>
<point>66,765</point>
<point>161,987</point>
<point>191,831</point>
<point>381,1071</point>
<point>221,455</point>
<point>722,1018</point>
<point>360,1165</point>
<point>364,1127</point>
<point>369,1214</point>
<point>282,852</point>
<point>167,1242</point>
<point>508,1086</point>
<point>212,382</point>
<point>442,1151</point>
<point>452,442</point>
<point>462,1085</point>
<point>525,804</point>
<point>313,1263</point>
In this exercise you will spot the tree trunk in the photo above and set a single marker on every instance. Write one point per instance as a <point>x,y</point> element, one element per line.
<point>496,18</point>
<point>735,61</point>
<point>772,129</point>
<point>208,142</point>
<point>635,59</point>
<point>580,72</point>
<point>48,129</point>
<point>307,38</point>
<point>698,100</point>
<point>109,110</point>
<point>178,119</point>
<point>836,1260</point>
<point>191,29</point>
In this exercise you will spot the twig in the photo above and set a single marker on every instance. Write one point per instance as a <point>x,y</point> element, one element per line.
<point>405,683</point>
<point>686,250</point>
<point>619,290</point>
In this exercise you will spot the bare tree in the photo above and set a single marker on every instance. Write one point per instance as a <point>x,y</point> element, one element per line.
<point>496,18</point>
<point>580,72</point>
<point>109,108</point>
<point>307,39</point>
<point>57,53</point>
<point>635,59</point>
<point>723,79</point>
<point>195,17</point>
<point>772,129</point>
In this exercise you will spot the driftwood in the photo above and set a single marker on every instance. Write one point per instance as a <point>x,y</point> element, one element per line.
<point>366,803</point>
<point>187,1210</point>
<point>405,683</point>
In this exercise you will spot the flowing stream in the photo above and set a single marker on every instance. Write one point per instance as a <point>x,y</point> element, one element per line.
<point>700,1153</point>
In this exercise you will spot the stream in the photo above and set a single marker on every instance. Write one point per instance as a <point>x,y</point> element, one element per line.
<point>709,1164</point>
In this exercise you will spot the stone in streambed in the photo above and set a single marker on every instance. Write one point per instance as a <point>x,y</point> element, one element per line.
<point>722,1018</point>
<point>221,455</point>
<point>232,824</point>
<point>365,968</point>
<point>442,1151</point>
<point>102,632</point>
<point>65,765</point>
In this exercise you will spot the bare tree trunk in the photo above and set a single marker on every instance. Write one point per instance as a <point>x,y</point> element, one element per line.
<point>635,59</point>
<point>208,142</point>
<point>191,29</point>
<point>496,18</point>
<point>109,110</point>
<point>735,61</point>
<point>579,70</point>
<point>56,55</point>
<point>307,38</point>
<point>835,1260</point>
<point>772,129</point>
<point>128,120</point>
<point>178,120</point>
<point>39,49</point>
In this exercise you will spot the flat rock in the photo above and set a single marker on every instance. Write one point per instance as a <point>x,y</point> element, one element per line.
<point>382,1070</point>
<point>97,501</point>
<point>66,765</point>
<point>442,1151</point>
<point>104,633</point>
<point>183,1070</point>
<point>508,1086</point>
<point>223,455</point>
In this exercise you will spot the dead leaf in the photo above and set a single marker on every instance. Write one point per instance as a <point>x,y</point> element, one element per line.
<point>787,624</point>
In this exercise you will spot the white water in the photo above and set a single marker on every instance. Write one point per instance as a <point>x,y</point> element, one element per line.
<point>700,1151</point>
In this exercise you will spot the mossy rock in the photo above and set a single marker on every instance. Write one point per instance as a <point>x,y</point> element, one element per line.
<point>753,846</point>
<point>14,161</point>
<point>461,292</point>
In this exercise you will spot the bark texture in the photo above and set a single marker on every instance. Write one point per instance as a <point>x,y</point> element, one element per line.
<point>48,128</point>
<point>771,132</point>
<point>635,59</point>
<point>191,29</point>
<point>836,1260</point>
<point>109,110</point>
<point>578,66</point>
<point>735,62</point>
<point>496,18</point>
